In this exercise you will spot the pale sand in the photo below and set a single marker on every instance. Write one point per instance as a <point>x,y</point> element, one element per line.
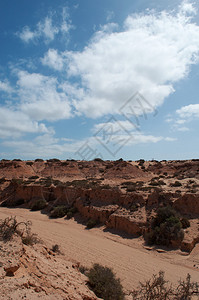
<point>127,257</point>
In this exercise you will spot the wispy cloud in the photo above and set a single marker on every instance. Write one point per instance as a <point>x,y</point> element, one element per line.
<point>183,116</point>
<point>47,29</point>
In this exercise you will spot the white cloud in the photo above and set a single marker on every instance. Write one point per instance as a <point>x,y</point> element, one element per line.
<point>16,123</point>
<point>110,15</point>
<point>187,8</point>
<point>40,98</point>
<point>115,126</point>
<point>183,116</point>
<point>53,60</point>
<point>27,35</point>
<point>47,29</point>
<point>117,132</point>
<point>5,87</point>
<point>189,111</point>
<point>150,54</point>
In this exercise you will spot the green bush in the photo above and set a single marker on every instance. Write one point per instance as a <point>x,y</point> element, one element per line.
<point>39,204</point>
<point>103,282</point>
<point>59,212</point>
<point>165,227</point>
<point>69,215</point>
<point>91,223</point>
<point>185,223</point>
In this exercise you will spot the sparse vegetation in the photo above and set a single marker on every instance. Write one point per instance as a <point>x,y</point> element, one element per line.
<point>91,223</point>
<point>160,289</point>
<point>103,282</point>
<point>55,248</point>
<point>157,182</point>
<point>10,227</point>
<point>98,159</point>
<point>59,212</point>
<point>39,160</point>
<point>176,184</point>
<point>39,204</point>
<point>185,223</point>
<point>33,177</point>
<point>29,163</point>
<point>165,227</point>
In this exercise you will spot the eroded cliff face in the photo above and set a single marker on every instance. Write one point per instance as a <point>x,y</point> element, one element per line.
<point>121,195</point>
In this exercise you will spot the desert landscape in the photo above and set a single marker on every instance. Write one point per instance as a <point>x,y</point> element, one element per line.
<point>96,212</point>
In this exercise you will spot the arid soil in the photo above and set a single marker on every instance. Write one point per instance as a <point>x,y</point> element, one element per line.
<point>128,258</point>
<point>122,197</point>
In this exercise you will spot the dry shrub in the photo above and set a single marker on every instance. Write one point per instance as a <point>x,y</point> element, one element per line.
<point>10,227</point>
<point>103,282</point>
<point>160,289</point>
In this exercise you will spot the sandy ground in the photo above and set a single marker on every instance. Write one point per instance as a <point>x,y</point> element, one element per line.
<point>128,258</point>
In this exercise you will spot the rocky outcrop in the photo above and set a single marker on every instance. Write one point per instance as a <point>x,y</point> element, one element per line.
<point>187,204</point>
<point>38,273</point>
<point>127,224</point>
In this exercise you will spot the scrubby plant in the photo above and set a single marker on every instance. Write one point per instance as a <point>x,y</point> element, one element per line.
<point>33,177</point>
<point>157,183</point>
<point>39,160</point>
<point>59,211</point>
<point>155,288</point>
<point>91,223</point>
<point>83,269</point>
<point>55,248</point>
<point>30,238</point>
<point>103,282</point>
<point>165,227</point>
<point>69,215</point>
<point>98,159</point>
<point>10,227</point>
<point>131,188</point>
<point>29,163</point>
<point>185,223</point>
<point>158,288</point>
<point>176,184</point>
<point>186,289</point>
<point>39,204</point>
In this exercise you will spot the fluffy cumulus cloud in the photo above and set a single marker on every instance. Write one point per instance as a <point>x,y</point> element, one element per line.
<point>15,123</point>
<point>149,54</point>
<point>40,98</point>
<point>53,60</point>
<point>189,111</point>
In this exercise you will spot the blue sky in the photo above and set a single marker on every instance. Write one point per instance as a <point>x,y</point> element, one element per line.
<point>108,78</point>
